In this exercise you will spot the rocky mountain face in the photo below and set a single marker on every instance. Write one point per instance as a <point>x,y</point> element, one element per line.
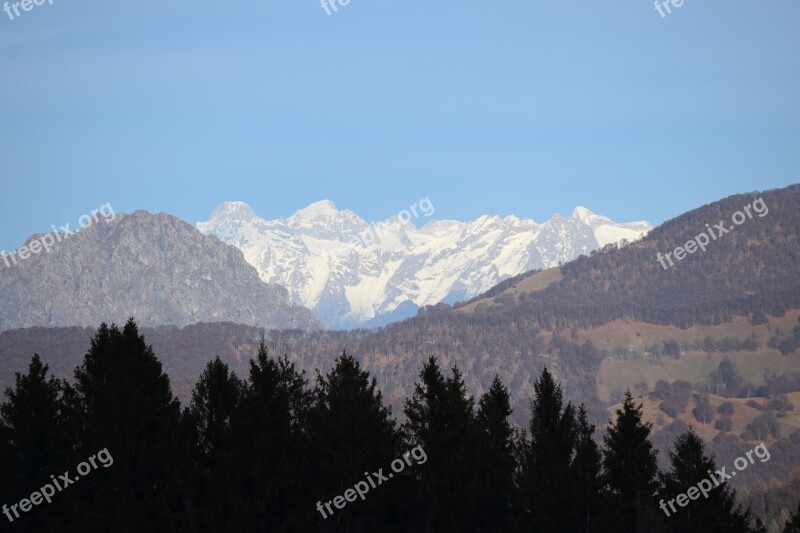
<point>353,273</point>
<point>152,266</point>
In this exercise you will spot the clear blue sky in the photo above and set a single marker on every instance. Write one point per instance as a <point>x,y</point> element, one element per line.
<point>513,107</point>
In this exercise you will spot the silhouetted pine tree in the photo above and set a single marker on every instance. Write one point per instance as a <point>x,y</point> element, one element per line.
<point>441,419</point>
<point>717,513</point>
<point>631,471</point>
<point>125,405</point>
<point>545,482</point>
<point>496,462</point>
<point>353,433</point>
<point>215,399</point>
<point>272,433</point>
<point>587,482</point>
<point>33,445</point>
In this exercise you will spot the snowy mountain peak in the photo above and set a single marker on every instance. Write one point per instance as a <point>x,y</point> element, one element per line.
<point>581,213</point>
<point>234,211</point>
<point>351,272</point>
<point>588,217</point>
<point>323,209</point>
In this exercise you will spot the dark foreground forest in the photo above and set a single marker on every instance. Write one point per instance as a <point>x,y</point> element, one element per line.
<point>113,450</point>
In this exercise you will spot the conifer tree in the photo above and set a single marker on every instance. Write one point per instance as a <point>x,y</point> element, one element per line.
<point>441,418</point>
<point>353,432</point>
<point>459,476</point>
<point>272,434</point>
<point>215,400</point>
<point>631,471</point>
<point>545,479</point>
<point>34,443</point>
<point>587,482</point>
<point>425,410</point>
<point>125,405</point>
<point>715,512</point>
<point>496,461</point>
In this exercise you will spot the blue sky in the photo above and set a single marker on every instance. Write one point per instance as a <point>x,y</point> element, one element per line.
<point>525,108</point>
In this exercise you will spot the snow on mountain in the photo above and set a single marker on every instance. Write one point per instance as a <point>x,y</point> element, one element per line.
<point>352,273</point>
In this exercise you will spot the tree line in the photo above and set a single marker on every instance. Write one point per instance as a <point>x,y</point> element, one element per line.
<point>257,454</point>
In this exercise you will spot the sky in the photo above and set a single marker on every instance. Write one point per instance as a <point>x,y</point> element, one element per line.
<point>513,107</point>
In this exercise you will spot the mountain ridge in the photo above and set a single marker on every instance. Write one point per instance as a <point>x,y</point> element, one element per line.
<point>354,273</point>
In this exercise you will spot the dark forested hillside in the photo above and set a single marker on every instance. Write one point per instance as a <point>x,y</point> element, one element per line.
<point>750,269</point>
<point>480,346</point>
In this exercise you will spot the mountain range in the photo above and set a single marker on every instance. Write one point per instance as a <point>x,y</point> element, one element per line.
<point>721,327</point>
<point>352,273</point>
<point>591,321</point>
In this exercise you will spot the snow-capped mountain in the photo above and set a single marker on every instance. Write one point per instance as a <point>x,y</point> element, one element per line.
<point>352,273</point>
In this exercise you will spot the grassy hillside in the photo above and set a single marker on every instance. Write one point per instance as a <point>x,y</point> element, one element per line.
<point>742,416</point>
<point>627,364</point>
